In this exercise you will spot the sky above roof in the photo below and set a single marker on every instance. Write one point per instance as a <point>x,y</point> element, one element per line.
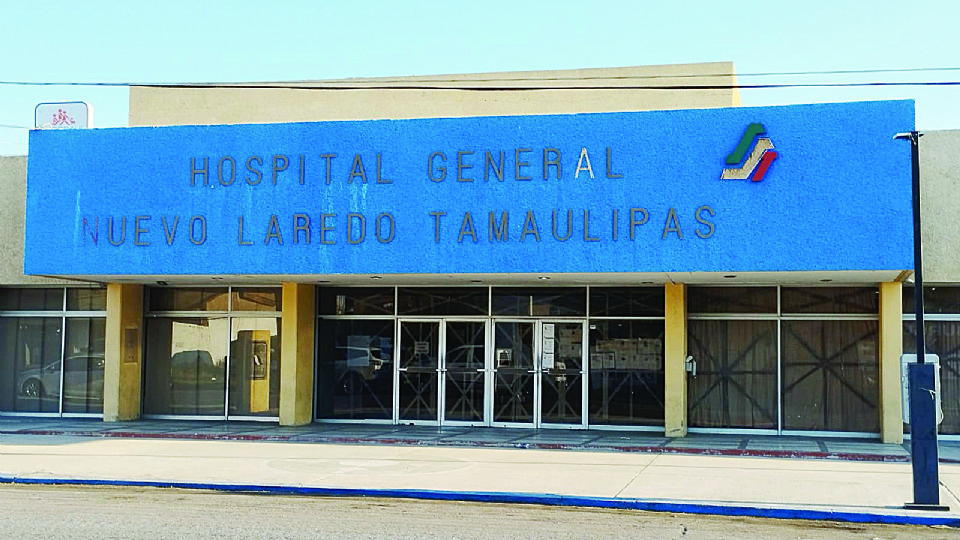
<point>178,41</point>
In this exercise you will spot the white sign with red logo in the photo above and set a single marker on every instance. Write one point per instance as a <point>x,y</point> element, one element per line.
<point>64,115</point>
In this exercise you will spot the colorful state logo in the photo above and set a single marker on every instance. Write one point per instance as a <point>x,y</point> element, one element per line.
<point>759,160</point>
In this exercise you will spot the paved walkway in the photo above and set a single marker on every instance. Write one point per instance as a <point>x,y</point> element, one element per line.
<point>852,480</point>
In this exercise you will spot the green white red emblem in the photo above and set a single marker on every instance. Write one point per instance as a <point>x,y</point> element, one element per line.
<point>756,164</point>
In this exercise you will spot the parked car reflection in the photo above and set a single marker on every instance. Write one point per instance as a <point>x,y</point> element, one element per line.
<point>82,380</point>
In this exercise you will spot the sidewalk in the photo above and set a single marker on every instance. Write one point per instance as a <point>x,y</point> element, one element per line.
<point>582,469</point>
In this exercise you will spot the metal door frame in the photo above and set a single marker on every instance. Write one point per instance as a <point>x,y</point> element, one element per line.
<point>537,353</point>
<point>487,405</point>
<point>442,370</point>
<point>584,372</point>
<point>441,328</point>
<point>534,352</point>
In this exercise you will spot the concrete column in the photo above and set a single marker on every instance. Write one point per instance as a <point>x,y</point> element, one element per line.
<point>674,355</point>
<point>123,358</point>
<point>891,347</point>
<point>297,331</point>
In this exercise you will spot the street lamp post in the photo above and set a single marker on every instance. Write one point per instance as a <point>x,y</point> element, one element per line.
<point>921,375</point>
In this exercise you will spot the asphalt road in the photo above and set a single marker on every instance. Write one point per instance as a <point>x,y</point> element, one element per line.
<point>50,512</point>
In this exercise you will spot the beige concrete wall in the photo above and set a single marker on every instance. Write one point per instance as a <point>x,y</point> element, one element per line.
<point>891,347</point>
<point>297,353</point>
<point>13,186</point>
<point>379,98</point>
<point>123,355</point>
<point>674,360</point>
<point>940,205</point>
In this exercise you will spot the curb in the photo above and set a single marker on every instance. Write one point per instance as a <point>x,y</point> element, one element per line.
<point>523,498</point>
<point>648,449</point>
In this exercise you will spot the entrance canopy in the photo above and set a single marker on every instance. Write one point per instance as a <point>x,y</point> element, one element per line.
<point>810,189</point>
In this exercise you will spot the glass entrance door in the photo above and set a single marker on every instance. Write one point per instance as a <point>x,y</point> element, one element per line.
<point>464,372</point>
<point>561,373</point>
<point>514,373</point>
<point>441,372</point>
<point>418,372</point>
<point>538,371</point>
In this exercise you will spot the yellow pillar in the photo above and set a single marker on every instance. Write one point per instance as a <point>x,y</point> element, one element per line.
<point>674,355</point>
<point>891,347</point>
<point>298,324</point>
<point>121,370</point>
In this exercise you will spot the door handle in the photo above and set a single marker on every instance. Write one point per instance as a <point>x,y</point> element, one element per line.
<point>401,369</point>
<point>690,365</point>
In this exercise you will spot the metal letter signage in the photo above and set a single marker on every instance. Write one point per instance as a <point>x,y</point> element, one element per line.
<point>578,193</point>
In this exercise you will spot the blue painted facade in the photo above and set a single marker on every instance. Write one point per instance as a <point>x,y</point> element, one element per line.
<point>616,192</point>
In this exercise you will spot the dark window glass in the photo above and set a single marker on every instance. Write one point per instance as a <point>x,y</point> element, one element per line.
<point>830,300</point>
<point>626,301</point>
<point>356,301</point>
<point>27,299</point>
<point>30,364</point>
<point>626,372</point>
<point>187,299</point>
<point>561,381</point>
<point>732,300</point>
<point>255,299</point>
<point>447,301</point>
<point>567,302</point>
<point>513,378</point>
<point>736,382</point>
<point>83,365</point>
<point>830,375</point>
<point>255,366</point>
<point>185,366</point>
<point>939,299</point>
<point>419,361</point>
<point>355,369</point>
<point>943,339</point>
<point>86,299</point>
<point>466,351</point>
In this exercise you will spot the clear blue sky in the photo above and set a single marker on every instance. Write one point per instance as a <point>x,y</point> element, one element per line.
<point>193,41</point>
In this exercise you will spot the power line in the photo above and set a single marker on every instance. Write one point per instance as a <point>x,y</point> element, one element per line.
<point>430,82</point>
<point>354,86</point>
<point>534,88</point>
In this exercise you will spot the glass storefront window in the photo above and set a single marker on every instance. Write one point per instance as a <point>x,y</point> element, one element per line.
<point>83,365</point>
<point>222,363</point>
<point>865,300</point>
<point>537,302</point>
<point>355,369</point>
<point>446,301</point>
<point>185,363</point>
<point>626,372</point>
<point>943,339</point>
<point>30,358</point>
<point>357,301</point>
<point>830,375</point>
<point>255,299</point>
<point>626,301</point>
<point>736,382</point>
<point>732,300</point>
<point>187,299</point>
<point>939,300</point>
<point>255,367</point>
<point>86,299</point>
<point>52,361</point>
<point>31,299</point>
